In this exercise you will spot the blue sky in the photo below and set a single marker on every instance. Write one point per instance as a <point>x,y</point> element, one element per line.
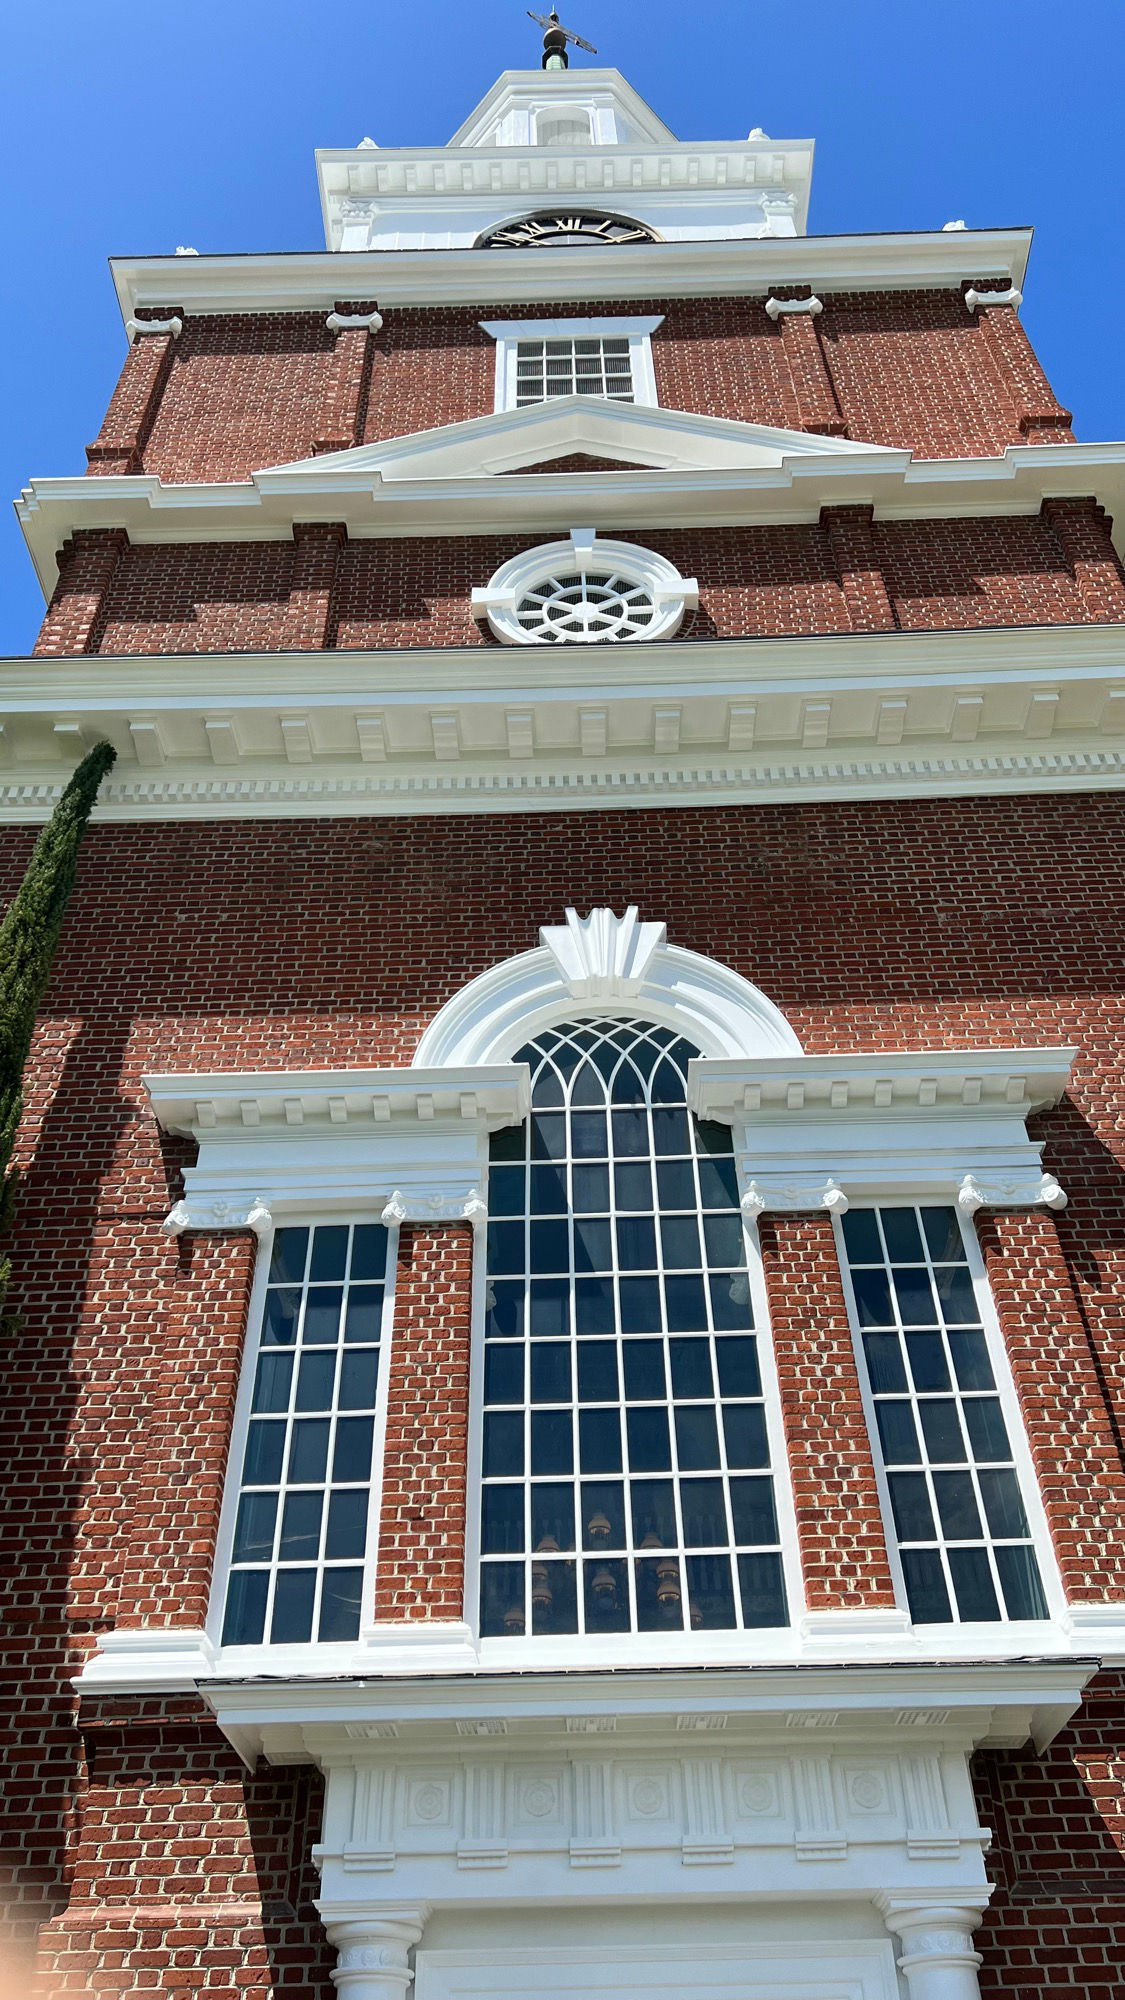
<point>133,127</point>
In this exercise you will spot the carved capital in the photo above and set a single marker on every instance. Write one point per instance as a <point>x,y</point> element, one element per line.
<point>776,307</point>
<point>1013,1191</point>
<point>938,1957</point>
<point>235,1214</point>
<point>338,322</point>
<point>603,956</point>
<point>373,1950</point>
<point>974,299</point>
<point>436,1205</point>
<point>174,326</point>
<point>793,1196</point>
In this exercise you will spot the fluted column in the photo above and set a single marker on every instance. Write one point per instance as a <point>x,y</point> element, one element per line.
<point>939,1960</point>
<point>373,1950</point>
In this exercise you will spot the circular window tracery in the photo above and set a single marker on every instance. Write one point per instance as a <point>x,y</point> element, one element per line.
<point>585,592</point>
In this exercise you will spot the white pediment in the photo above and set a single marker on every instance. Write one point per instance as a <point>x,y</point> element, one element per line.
<point>506,441</point>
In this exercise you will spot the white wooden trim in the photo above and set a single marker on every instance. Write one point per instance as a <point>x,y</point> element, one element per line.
<point>848,1969</point>
<point>508,333</point>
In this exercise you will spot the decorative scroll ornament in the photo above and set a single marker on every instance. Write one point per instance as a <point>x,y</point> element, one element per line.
<point>189,1215</point>
<point>338,322</point>
<point>775,307</point>
<point>603,956</point>
<point>974,299</point>
<point>554,227</point>
<point>428,1205</point>
<point>1018,1192</point>
<point>794,1195</point>
<point>174,326</point>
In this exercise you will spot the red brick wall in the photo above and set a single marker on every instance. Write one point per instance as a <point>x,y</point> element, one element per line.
<point>759,582</point>
<point>256,944</point>
<point>913,369</point>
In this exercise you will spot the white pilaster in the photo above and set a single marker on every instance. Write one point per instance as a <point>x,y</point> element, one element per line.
<point>373,1948</point>
<point>939,1961</point>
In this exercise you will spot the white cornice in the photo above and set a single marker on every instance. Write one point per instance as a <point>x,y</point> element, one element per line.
<point>306,280</point>
<point>400,487</point>
<point>505,729</point>
<point>600,83</point>
<point>238,1102</point>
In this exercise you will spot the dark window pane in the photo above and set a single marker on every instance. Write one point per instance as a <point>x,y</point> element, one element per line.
<point>552,1442</point>
<point>550,1371</point>
<point>762,1587</point>
<point>941,1429</point>
<point>358,1374</point>
<point>632,1181</point>
<point>911,1504</point>
<point>725,1246</point>
<point>897,1434</point>
<point>591,1189</point>
<point>364,1314</point>
<point>679,1243</point>
<point>603,1514</point>
<point>503,1372</point>
<point>718,1183</point>
<point>504,1318</point>
<point>271,1386</point>
<point>636,1242</point>
<point>627,1086</point>
<point>873,1298</point>
<point>1020,1582</point>
<point>744,1427</point>
<point>903,1237</point>
<point>704,1514</point>
<point>605,1585</point>
<point>550,1308</point>
<point>659,1586</point>
<point>644,1370</point>
<point>973,1586</point>
<point>287,1263</point>
<point>322,1316</point>
<point>970,1360</point>
<point>329,1257</point>
<point>347,1523</point>
<point>315,1378</point>
<point>507,1190</point>
<point>730,1302</point>
<point>710,1593</point>
<point>1003,1507</point>
<point>710,1135</point>
<point>554,1597</point>
<point>691,1368</point>
<point>548,1190</point>
<point>245,1619</point>
<point>503,1444</point>
<point>640,1305</point>
<point>502,1614</point>
<point>548,1136</point>
<point>649,1447</point>
<point>300,1527</point>
<point>675,1183</point>
<point>588,1134</point>
<point>927,1361</point>
<point>697,1436</point>
<point>599,1440</point>
<point>502,1521</point>
<point>597,1371</point>
<point>550,1245</point>
<point>552,1516</point>
<point>915,1296</point>
<point>291,1623</point>
<point>956,1294</point>
<point>630,1132</point>
<point>548,1088</point>
<point>885,1364</point>
<point>369,1250</point>
<point>593,1244</point>
<point>352,1457</point>
<point>988,1433</point>
<point>506,1248</point>
<point>654,1514</point>
<point>279,1324</point>
<point>670,1130</point>
<point>509,1144</point>
<point>738,1366</point>
<point>755,1516</point>
<point>253,1534</point>
<point>265,1443</point>
<point>593,1305</point>
<point>957,1506</point>
<point>943,1235</point>
<point>925,1587</point>
<point>308,1453</point>
<point>861,1237</point>
<point>340,1596</point>
<point>685,1303</point>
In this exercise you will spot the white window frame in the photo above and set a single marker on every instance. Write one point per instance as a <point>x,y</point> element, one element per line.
<point>638,332</point>
<point>962,1635</point>
<point>670,594</point>
<point>324,1651</point>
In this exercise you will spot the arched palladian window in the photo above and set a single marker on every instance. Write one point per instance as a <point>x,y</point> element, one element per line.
<point>626,1475</point>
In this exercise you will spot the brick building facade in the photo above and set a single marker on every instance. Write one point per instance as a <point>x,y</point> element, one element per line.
<point>554,1450</point>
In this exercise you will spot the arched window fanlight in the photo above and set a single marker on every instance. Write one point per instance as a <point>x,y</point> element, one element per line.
<point>555,228</point>
<point>585,591</point>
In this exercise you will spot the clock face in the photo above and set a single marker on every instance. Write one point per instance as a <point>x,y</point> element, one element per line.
<point>577,226</point>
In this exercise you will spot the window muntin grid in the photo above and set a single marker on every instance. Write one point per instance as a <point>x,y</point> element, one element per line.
<point>627,1483</point>
<point>301,1527</point>
<point>594,365</point>
<point>963,1536</point>
<point>582,607</point>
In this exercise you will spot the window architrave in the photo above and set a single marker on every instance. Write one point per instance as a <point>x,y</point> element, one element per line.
<point>637,330</point>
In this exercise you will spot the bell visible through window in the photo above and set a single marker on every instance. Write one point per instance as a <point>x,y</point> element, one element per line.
<point>627,1484</point>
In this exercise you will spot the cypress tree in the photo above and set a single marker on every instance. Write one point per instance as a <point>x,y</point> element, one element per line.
<point>29,934</point>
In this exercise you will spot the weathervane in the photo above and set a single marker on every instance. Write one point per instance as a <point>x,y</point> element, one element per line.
<point>556,39</point>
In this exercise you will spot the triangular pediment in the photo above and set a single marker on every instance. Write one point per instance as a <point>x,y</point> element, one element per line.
<point>627,435</point>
